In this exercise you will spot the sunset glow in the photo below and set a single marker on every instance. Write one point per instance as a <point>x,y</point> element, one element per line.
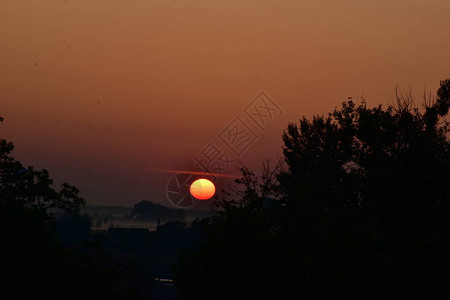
<point>202,189</point>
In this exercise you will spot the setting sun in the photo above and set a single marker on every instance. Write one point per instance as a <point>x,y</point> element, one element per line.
<point>202,189</point>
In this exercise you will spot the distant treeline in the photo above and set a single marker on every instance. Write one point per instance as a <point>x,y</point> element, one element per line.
<point>142,211</point>
<point>116,211</point>
<point>149,211</point>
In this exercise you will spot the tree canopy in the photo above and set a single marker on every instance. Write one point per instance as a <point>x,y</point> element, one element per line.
<point>34,262</point>
<point>360,209</point>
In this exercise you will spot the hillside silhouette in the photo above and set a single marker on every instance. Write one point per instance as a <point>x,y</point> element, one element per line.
<point>149,211</point>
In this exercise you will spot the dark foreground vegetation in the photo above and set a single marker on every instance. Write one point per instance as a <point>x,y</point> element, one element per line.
<point>361,210</point>
<point>49,250</point>
<point>358,209</point>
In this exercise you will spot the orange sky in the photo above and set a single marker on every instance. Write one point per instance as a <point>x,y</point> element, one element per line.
<point>103,92</point>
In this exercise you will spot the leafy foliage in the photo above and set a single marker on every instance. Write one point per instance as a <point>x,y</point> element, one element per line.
<point>360,211</point>
<point>33,261</point>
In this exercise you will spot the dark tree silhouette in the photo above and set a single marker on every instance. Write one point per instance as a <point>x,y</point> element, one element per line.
<point>33,262</point>
<point>361,211</point>
<point>387,168</point>
<point>236,258</point>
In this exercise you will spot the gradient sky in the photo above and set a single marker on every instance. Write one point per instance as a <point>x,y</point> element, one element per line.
<point>102,93</point>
